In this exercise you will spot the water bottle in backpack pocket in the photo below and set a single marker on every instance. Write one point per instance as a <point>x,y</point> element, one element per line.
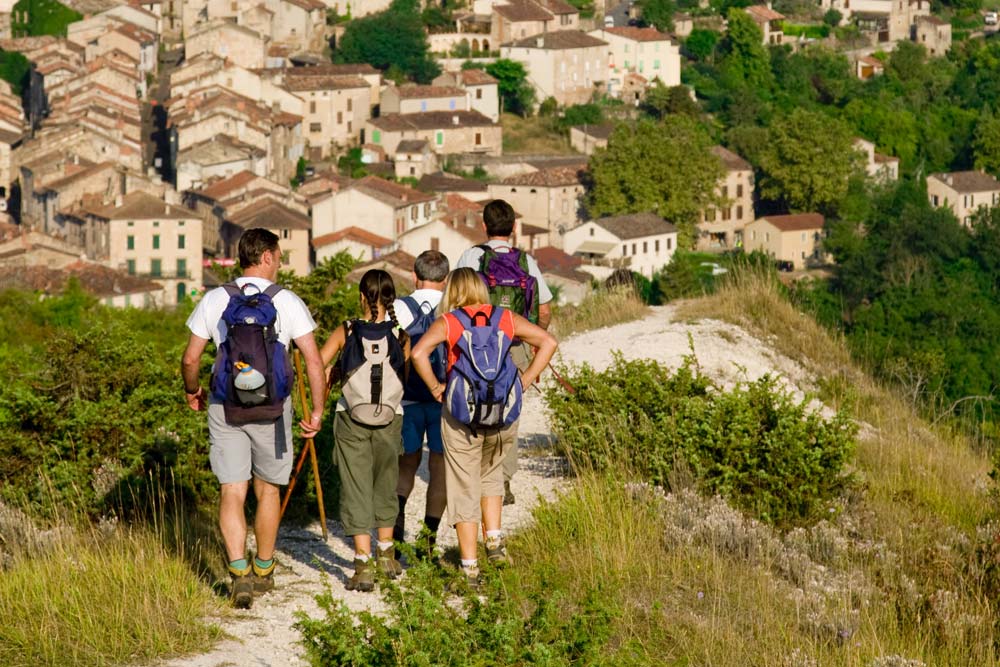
<point>372,364</point>
<point>484,387</point>
<point>251,377</point>
<point>423,317</point>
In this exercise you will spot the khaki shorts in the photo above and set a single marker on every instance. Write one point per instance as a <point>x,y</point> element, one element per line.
<point>473,466</point>
<point>261,450</point>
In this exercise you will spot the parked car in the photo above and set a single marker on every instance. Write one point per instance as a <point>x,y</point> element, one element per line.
<point>716,269</point>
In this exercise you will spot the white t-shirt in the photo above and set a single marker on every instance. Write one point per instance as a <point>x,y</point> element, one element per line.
<point>403,315</point>
<point>293,319</point>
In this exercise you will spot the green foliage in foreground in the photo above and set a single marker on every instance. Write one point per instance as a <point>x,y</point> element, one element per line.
<point>15,70</point>
<point>421,628</point>
<point>754,445</point>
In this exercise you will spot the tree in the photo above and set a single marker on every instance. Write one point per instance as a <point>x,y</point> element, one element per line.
<point>659,13</point>
<point>661,101</point>
<point>745,62</point>
<point>42,17</point>
<point>832,17</point>
<point>665,167</point>
<point>393,37</point>
<point>581,114</point>
<point>15,69</point>
<point>808,161</point>
<point>516,93</point>
<point>986,143</point>
<point>701,43</point>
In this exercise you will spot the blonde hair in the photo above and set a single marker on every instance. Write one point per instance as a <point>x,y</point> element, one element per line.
<point>464,287</point>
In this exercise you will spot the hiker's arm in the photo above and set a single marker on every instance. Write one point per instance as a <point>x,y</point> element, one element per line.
<point>544,315</point>
<point>544,343</point>
<point>194,393</point>
<point>332,346</point>
<point>420,357</point>
<point>317,383</point>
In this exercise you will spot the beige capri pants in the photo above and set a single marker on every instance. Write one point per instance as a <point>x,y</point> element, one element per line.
<point>473,466</point>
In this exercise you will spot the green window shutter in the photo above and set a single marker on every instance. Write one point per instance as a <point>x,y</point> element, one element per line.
<point>376,136</point>
<point>130,242</point>
<point>440,138</point>
<point>156,268</point>
<point>156,241</point>
<point>180,242</point>
<point>182,268</point>
<point>131,267</point>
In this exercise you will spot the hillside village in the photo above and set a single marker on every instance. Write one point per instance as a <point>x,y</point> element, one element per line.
<point>155,131</point>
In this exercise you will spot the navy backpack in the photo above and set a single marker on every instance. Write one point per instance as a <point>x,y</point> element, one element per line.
<point>416,389</point>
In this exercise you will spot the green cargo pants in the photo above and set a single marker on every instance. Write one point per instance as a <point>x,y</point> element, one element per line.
<point>367,459</point>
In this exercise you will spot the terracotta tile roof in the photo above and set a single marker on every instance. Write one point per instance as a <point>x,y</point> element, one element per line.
<point>442,182</point>
<point>327,69</point>
<point>391,193</point>
<point>600,131</point>
<point>639,34</point>
<point>554,261</point>
<point>636,225</point>
<point>476,77</point>
<point>412,146</point>
<point>874,62</point>
<point>523,10</point>
<point>416,92</point>
<point>559,40</point>
<point>884,159</point>
<point>99,280</point>
<point>430,120</point>
<point>308,5</point>
<point>324,82</point>
<point>354,234</point>
<point>270,214</point>
<point>220,189</point>
<point>83,173</point>
<point>548,178</point>
<point>218,150</point>
<point>144,206</point>
<point>762,13</point>
<point>969,181</point>
<point>287,119</point>
<point>730,160</point>
<point>797,222</point>
<point>398,263</point>
<point>933,20</point>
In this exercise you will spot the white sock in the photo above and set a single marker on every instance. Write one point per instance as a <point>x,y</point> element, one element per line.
<point>494,534</point>
<point>469,563</point>
<point>362,557</point>
<point>384,545</point>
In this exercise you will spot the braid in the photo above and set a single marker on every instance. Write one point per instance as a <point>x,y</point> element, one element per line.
<point>390,310</point>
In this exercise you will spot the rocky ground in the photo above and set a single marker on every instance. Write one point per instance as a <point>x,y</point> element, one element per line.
<point>264,635</point>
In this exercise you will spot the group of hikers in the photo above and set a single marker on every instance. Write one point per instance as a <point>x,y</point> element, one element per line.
<point>446,365</point>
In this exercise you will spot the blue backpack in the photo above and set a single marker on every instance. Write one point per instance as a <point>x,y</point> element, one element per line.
<point>251,377</point>
<point>484,388</point>
<point>416,389</point>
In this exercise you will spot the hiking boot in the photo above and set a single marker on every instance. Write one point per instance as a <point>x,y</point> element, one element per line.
<point>508,496</point>
<point>469,580</point>
<point>387,563</point>
<point>364,576</point>
<point>263,578</point>
<point>241,590</point>
<point>496,551</point>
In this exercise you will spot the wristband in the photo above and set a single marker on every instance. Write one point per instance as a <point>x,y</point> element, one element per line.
<point>192,393</point>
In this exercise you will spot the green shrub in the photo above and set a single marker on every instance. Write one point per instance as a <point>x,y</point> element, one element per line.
<point>422,628</point>
<point>753,445</point>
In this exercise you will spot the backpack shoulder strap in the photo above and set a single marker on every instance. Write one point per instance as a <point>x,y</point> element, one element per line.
<point>232,289</point>
<point>412,304</point>
<point>273,289</point>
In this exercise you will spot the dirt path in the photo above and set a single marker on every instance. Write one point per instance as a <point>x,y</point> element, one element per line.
<point>264,636</point>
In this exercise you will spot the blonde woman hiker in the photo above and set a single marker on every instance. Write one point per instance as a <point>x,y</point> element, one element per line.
<point>367,428</point>
<point>481,404</point>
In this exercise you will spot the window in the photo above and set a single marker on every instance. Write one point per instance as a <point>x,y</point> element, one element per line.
<point>739,212</point>
<point>479,93</point>
<point>451,104</point>
<point>710,215</point>
<point>753,235</point>
<point>645,247</point>
<point>934,200</point>
<point>349,126</point>
<point>656,64</point>
<point>725,192</point>
<point>131,267</point>
<point>350,104</point>
<point>624,250</point>
<point>180,241</point>
<point>156,224</point>
<point>182,268</point>
<point>479,139</point>
<point>435,243</point>
<point>312,107</point>
<point>591,231</point>
<point>439,138</point>
<point>155,268</point>
<point>670,243</point>
<point>423,105</point>
<point>633,249</point>
<point>340,118</point>
<point>130,223</point>
<point>656,246</point>
<point>315,127</point>
<point>427,209</point>
<point>130,242</point>
<point>739,190</point>
<point>767,237</point>
<point>413,213</point>
<point>156,241</point>
<point>376,136</point>
<point>725,213</point>
<point>803,237</point>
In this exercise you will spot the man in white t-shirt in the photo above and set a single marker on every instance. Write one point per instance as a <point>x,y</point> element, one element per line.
<point>498,221</point>
<point>261,450</point>
<point>421,413</point>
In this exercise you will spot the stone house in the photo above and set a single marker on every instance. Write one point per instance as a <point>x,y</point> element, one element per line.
<point>964,192</point>
<point>217,158</point>
<point>877,165</point>
<point>113,288</point>
<point>568,65</point>
<point>210,200</point>
<point>229,41</point>
<point>299,23</point>
<point>549,198</point>
<point>376,205</point>
<point>44,205</point>
<point>933,34</point>
<point>769,21</point>
<point>447,132</point>
<point>419,99</point>
<point>359,242</point>
<point>645,51</point>
<point>335,111</point>
<point>292,226</point>
<point>720,227</point>
<point>641,242</point>
<point>588,138</point>
<point>210,71</point>
<point>482,89</point>
<point>795,239</point>
<point>518,20</point>
<point>414,159</point>
<point>563,271</point>
<point>459,227</point>
<point>444,183</point>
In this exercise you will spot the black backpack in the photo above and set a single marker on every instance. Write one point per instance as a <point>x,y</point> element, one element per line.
<point>416,389</point>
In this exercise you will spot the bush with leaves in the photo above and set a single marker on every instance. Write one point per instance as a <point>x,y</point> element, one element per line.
<point>753,445</point>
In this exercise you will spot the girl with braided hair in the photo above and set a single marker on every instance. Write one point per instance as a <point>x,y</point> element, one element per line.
<point>366,452</point>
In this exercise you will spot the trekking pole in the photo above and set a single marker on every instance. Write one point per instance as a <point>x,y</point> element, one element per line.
<point>309,448</point>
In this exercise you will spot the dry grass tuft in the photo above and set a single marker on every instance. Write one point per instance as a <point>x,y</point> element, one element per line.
<point>603,308</point>
<point>532,136</point>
